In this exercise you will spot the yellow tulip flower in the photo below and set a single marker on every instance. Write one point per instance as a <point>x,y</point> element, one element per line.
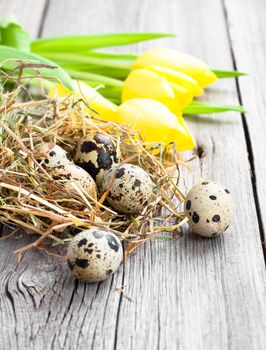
<point>178,61</point>
<point>106,109</point>
<point>146,83</point>
<point>156,123</point>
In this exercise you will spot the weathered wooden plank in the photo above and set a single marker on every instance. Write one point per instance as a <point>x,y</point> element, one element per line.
<point>41,305</point>
<point>17,298</point>
<point>28,13</point>
<point>248,46</point>
<point>190,293</point>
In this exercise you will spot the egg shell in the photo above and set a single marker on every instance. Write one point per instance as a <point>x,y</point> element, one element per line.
<point>210,208</point>
<point>96,153</point>
<point>131,189</point>
<point>73,175</point>
<point>55,156</point>
<point>94,254</point>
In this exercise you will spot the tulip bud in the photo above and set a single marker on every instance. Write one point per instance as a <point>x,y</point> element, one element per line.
<point>96,101</point>
<point>179,61</point>
<point>156,123</point>
<point>145,83</point>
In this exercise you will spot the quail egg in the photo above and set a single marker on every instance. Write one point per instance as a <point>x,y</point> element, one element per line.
<point>74,176</point>
<point>61,167</point>
<point>96,153</point>
<point>210,208</point>
<point>55,156</point>
<point>131,188</point>
<point>94,254</point>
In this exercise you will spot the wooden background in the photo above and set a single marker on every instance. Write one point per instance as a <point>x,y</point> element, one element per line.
<point>189,293</point>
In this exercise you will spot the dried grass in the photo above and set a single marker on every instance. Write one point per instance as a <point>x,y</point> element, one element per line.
<point>29,197</point>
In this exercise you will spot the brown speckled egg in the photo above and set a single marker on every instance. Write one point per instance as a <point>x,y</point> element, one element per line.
<point>94,254</point>
<point>96,153</point>
<point>210,208</point>
<point>55,156</point>
<point>131,189</point>
<point>75,177</point>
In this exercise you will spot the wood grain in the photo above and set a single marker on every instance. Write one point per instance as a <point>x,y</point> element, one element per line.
<point>29,13</point>
<point>42,307</point>
<point>189,293</point>
<point>248,46</point>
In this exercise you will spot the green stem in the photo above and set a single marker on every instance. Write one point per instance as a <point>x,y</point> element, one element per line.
<point>95,77</point>
<point>228,73</point>
<point>67,58</point>
<point>197,107</point>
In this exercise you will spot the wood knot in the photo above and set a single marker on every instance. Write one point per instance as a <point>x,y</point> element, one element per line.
<point>200,152</point>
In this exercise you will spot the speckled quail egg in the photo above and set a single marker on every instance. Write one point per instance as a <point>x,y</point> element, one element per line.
<point>131,188</point>
<point>210,208</point>
<point>74,176</point>
<point>96,153</point>
<point>94,254</point>
<point>61,167</point>
<point>55,155</point>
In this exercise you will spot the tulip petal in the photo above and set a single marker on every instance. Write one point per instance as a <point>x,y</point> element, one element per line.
<point>178,78</point>
<point>106,109</point>
<point>144,83</point>
<point>155,123</point>
<point>178,61</point>
<point>182,95</point>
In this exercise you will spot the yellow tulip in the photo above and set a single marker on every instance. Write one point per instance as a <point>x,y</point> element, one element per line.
<point>174,89</point>
<point>178,61</point>
<point>106,109</point>
<point>155,123</point>
<point>146,83</point>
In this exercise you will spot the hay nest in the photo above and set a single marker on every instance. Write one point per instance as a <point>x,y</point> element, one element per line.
<point>31,200</point>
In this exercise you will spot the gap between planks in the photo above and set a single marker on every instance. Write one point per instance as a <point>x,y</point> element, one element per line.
<point>253,175</point>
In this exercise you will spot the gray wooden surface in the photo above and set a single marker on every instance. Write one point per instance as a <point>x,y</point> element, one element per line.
<point>189,293</point>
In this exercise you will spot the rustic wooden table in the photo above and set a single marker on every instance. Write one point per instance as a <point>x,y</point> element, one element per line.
<point>188,293</point>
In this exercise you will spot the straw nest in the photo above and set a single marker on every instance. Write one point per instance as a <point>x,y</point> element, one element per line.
<point>31,200</point>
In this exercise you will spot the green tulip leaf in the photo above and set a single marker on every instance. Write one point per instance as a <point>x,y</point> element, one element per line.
<point>82,43</point>
<point>12,34</point>
<point>98,54</point>
<point>197,107</point>
<point>9,57</point>
<point>228,73</point>
<point>100,79</point>
<point>70,58</point>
